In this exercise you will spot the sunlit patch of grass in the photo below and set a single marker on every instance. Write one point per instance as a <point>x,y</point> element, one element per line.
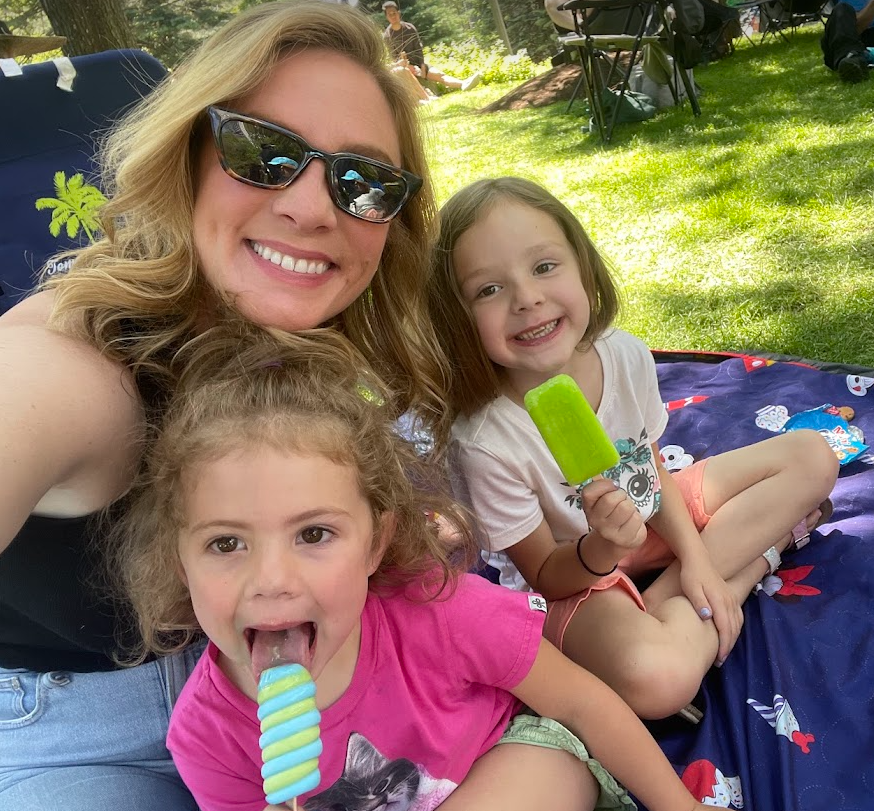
<point>751,227</point>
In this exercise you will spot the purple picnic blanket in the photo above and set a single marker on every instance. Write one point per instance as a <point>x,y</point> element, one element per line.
<point>788,719</point>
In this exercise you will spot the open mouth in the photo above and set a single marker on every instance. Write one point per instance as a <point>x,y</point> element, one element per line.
<point>538,332</point>
<point>269,647</point>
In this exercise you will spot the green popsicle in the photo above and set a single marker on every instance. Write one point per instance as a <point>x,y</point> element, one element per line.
<point>570,429</point>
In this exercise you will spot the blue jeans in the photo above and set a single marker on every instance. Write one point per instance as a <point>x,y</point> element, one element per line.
<point>92,741</point>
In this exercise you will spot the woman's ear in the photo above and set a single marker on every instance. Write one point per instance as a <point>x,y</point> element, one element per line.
<point>385,532</point>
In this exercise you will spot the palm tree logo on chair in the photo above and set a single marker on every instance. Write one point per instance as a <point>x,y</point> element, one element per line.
<point>75,206</point>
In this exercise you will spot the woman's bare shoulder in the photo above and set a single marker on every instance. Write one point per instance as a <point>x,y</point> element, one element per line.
<point>70,418</point>
<point>34,310</point>
<point>31,349</point>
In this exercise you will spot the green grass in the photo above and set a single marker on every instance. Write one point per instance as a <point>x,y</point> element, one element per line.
<point>749,228</point>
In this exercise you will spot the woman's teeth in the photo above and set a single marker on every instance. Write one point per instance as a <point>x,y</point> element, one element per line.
<point>286,262</point>
<point>537,333</point>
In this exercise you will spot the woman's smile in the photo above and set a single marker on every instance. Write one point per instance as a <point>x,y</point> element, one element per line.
<point>288,257</point>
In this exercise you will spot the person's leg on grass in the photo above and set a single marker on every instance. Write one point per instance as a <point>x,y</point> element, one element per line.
<point>452,82</point>
<point>445,79</point>
<point>842,47</point>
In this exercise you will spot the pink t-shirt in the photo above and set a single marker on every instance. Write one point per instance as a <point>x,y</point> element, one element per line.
<point>430,694</point>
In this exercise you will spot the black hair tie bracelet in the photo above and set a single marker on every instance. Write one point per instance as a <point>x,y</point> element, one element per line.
<point>591,571</point>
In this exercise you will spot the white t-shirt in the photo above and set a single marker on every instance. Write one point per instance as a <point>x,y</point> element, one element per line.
<point>512,481</point>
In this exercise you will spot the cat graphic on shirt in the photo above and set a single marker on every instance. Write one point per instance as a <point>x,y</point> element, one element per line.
<point>372,782</point>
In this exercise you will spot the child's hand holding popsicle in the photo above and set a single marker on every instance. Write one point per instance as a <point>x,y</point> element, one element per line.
<point>583,450</point>
<point>613,515</point>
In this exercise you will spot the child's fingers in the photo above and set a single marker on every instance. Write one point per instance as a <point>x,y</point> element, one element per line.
<point>595,490</point>
<point>613,514</point>
<point>728,635</point>
<point>602,498</point>
<point>729,621</point>
<point>700,603</point>
<point>617,519</point>
<point>737,624</point>
<point>629,531</point>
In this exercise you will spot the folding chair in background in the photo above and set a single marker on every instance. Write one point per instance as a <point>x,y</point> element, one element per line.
<point>646,23</point>
<point>772,16</point>
<point>805,12</point>
<point>775,16</point>
<point>48,189</point>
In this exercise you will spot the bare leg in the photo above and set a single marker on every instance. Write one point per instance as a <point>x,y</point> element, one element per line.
<point>655,661</point>
<point>444,79</point>
<point>756,495</point>
<point>514,777</point>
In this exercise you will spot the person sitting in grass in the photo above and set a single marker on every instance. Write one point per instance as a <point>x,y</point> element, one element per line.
<point>849,32</point>
<point>405,46</point>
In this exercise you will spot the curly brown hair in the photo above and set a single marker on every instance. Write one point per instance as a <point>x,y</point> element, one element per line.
<point>242,387</point>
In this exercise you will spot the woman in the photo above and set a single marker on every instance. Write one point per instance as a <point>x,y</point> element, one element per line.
<point>227,199</point>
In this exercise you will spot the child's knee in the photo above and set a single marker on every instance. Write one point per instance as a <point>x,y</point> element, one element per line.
<point>812,454</point>
<point>657,684</point>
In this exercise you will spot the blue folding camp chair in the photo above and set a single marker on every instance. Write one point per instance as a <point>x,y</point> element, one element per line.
<point>48,190</point>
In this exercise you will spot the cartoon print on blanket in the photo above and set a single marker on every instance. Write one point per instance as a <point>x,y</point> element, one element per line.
<point>674,457</point>
<point>673,405</point>
<point>751,364</point>
<point>808,633</point>
<point>783,721</point>
<point>710,786</point>
<point>859,385</point>
<point>785,584</point>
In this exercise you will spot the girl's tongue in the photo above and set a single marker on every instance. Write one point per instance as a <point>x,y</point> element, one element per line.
<point>286,647</point>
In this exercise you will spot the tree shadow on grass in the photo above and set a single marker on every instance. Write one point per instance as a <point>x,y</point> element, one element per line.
<point>781,315</point>
<point>799,175</point>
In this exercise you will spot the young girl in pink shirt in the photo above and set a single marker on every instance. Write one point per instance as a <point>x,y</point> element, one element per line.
<point>282,515</point>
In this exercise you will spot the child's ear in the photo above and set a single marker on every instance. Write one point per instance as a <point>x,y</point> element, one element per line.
<point>388,523</point>
<point>180,570</point>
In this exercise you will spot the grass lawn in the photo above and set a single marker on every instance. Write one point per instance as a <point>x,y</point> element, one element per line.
<point>750,228</point>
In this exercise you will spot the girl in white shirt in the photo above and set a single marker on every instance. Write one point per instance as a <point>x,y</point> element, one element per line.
<point>519,294</point>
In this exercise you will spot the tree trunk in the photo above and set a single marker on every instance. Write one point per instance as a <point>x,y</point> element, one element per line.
<point>499,24</point>
<point>89,25</point>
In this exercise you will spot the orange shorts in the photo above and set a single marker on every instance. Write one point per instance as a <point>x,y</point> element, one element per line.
<point>653,554</point>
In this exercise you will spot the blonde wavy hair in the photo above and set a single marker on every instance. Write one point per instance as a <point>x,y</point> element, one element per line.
<point>137,294</point>
<point>474,380</point>
<point>244,387</point>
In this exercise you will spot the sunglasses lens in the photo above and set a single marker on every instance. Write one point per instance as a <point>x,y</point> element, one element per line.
<point>259,154</point>
<point>368,190</point>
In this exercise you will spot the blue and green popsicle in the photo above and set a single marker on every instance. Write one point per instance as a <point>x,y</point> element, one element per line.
<point>290,742</point>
